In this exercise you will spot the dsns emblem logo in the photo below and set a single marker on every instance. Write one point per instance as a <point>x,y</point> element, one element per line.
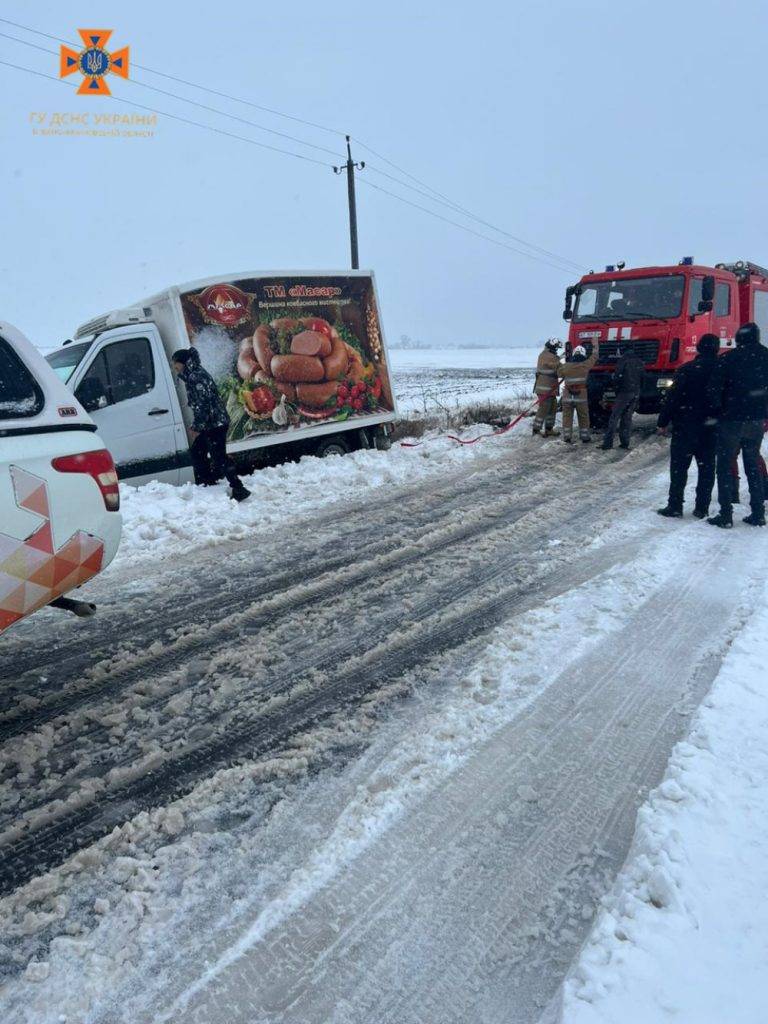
<point>93,62</point>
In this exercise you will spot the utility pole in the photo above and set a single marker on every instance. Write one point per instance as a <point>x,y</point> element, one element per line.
<point>350,166</point>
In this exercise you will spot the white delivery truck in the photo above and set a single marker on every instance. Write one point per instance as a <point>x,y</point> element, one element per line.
<point>299,359</point>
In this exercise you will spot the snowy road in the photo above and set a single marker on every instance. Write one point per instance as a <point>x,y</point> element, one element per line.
<point>432,859</point>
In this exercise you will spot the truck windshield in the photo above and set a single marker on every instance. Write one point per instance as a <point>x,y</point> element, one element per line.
<point>66,360</point>
<point>632,298</point>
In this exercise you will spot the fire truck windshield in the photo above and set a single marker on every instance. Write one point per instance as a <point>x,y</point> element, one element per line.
<point>632,298</point>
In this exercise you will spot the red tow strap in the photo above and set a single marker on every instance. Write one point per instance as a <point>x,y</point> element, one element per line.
<point>495,433</point>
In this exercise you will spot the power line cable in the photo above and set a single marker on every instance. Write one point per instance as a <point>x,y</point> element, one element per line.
<point>192,85</point>
<point>463,227</point>
<point>298,156</point>
<point>176,117</point>
<point>441,199</point>
<point>570,265</point>
<point>194,103</point>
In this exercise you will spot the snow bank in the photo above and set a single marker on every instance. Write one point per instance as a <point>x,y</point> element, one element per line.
<point>161,520</point>
<point>684,934</point>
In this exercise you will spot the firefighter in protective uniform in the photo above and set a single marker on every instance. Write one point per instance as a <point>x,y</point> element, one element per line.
<point>574,375</point>
<point>545,388</point>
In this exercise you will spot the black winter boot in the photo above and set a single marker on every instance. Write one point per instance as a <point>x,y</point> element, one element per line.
<point>755,519</point>
<point>240,493</point>
<point>606,446</point>
<point>670,513</point>
<point>701,513</point>
<point>725,522</point>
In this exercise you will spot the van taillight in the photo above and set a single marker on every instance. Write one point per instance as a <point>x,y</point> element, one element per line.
<point>98,465</point>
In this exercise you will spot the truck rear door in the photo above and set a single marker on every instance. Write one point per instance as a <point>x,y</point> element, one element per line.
<point>124,383</point>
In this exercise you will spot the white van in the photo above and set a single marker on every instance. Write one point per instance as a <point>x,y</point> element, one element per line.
<point>299,359</point>
<point>59,498</point>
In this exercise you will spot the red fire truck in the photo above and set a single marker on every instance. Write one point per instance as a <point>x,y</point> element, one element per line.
<point>660,312</point>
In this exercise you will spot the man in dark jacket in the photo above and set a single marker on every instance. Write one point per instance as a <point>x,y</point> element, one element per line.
<point>627,380</point>
<point>694,435</point>
<point>209,424</point>
<point>738,396</point>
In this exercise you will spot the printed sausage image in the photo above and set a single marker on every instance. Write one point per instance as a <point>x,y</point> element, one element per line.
<point>311,343</point>
<point>247,364</point>
<point>284,323</point>
<point>335,365</point>
<point>304,352</point>
<point>262,346</point>
<point>317,396</point>
<point>297,369</point>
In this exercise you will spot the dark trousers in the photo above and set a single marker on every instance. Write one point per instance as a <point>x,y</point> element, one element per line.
<point>747,435</point>
<point>210,460</point>
<point>621,416</point>
<point>688,443</point>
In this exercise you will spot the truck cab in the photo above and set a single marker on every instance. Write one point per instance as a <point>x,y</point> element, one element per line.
<point>660,312</point>
<point>120,374</point>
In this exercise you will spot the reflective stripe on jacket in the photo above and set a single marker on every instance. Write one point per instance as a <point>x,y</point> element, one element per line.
<point>546,373</point>
<point>574,376</point>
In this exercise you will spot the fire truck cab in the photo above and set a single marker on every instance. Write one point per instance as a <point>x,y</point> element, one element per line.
<point>660,312</point>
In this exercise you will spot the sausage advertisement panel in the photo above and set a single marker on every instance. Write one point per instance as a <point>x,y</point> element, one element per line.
<point>291,352</point>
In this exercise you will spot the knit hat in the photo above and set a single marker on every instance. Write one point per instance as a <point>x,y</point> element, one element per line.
<point>708,345</point>
<point>748,334</point>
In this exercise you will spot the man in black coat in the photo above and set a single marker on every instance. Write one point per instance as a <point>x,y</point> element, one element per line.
<point>210,420</point>
<point>738,396</point>
<point>694,436</point>
<point>627,380</point>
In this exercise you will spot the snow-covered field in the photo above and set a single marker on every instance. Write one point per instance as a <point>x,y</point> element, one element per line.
<point>435,380</point>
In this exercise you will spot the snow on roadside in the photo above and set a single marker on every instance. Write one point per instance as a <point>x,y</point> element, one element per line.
<point>162,520</point>
<point>683,935</point>
<point>253,842</point>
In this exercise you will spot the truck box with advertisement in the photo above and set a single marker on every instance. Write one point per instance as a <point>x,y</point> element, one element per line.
<point>299,359</point>
<point>660,312</point>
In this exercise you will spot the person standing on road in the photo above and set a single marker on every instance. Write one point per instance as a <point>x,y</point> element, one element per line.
<point>694,435</point>
<point>627,381</point>
<point>760,465</point>
<point>574,375</point>
<point>738,396</point>
<point>209,424</point>
<point>545,388</point>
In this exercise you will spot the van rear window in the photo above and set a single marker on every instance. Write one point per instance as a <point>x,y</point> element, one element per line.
<point>20,394</point>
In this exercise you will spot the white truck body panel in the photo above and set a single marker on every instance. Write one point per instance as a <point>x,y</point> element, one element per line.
<point>148,443</point>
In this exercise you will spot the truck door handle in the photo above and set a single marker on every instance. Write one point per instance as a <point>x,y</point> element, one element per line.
<point>157,412</point>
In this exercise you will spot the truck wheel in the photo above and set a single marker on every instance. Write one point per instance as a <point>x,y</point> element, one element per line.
<point>382,440</point>
<point>332,446</point>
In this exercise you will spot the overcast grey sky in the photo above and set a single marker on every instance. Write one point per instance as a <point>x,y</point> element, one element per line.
<point>596,130</point>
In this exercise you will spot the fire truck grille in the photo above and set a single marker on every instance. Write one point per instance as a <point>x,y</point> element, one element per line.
<point>647,349</point>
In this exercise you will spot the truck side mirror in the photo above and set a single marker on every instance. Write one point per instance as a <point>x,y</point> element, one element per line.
<point>569,294</point>
<point>707,291</point>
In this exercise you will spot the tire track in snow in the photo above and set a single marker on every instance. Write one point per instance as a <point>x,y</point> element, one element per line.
<point>254,736</point>
<point>470,909</point>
